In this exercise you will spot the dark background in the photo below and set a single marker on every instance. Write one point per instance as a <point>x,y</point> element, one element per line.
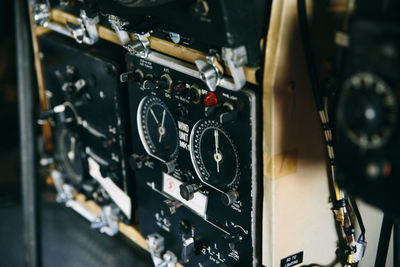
<point>67,239</point>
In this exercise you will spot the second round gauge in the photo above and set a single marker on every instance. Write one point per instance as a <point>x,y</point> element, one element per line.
<point>213,154</point>
<point>157,129</point>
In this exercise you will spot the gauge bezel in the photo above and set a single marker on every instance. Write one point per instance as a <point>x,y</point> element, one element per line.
<point>218,126</point>
<point>142,128</point>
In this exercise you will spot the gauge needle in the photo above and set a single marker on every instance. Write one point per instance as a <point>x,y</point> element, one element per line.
<point>217,154</point>
<point>154,116</point>
<point>161,129</point>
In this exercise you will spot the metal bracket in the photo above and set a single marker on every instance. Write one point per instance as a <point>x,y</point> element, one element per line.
<point>117,24</point>
<point>65,192</point>
<point>41,13</point>
<point>210,71</point>
<point>156,244</point>
<point>236,58</point>
<point>107,221</point>
<point>140,46</point>
<point>85,31</point>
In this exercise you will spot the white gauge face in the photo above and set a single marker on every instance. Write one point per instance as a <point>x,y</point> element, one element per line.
<point>213,154</point>
<point>368,110</point>
<point>157,129</point>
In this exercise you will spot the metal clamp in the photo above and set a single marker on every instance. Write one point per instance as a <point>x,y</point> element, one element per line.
<point>107,221</point>
<point>117,24</point>
<point>210,71</point>
<point>140,46</point>
<point>85,31</point>
<point>236,58</point>
<point>156,244</point>
<point>65,192</point>
<point>41,14</point>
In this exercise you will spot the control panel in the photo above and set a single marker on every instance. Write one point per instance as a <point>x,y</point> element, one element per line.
<point>85,100</point>
<point>195,160</point>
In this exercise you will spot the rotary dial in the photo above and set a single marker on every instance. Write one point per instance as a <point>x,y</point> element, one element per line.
<point>213,154</point>
<point>157,129</point>
<point>368,110</point>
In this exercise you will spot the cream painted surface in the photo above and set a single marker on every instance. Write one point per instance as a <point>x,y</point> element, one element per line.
<point>297,213</point>
<point>372,220</point>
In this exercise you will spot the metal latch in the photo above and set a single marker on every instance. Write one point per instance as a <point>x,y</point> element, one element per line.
<point>236,58</point>
<point>140,46</point>
<point>41,13</point>
<point>210,71</point>
<point>85,31</point>
<point>107,221</point>
<point>156,244</point>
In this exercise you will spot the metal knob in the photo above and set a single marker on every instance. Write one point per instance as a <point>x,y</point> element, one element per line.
<point>187,190</point>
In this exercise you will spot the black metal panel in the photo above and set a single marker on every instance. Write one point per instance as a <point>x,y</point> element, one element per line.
<point>211,231</point>
<point>367,136</point>
<point>86,81</point>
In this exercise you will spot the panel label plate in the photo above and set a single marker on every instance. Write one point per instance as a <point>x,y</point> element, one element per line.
<point>292,260</point>
<point>120,198</point>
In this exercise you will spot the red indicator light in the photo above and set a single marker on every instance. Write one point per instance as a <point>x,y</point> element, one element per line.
<point>210,99</point>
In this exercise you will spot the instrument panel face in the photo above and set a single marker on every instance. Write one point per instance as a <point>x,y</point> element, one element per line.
<point>195,164</point>
<point>83,91</point>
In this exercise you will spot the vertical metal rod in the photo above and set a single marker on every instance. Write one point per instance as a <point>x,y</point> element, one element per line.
<point>31,225</point>
<point>384,240</point>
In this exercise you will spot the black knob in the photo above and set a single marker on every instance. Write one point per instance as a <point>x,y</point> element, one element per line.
<point>229,198</point>
<point>135,76</point>
<point>165,83</point>
<point>211,111</point>
<point>149,85</point>
<point>170,207</point>
<point>195,94</point>
<point>180,88</point>
<point>228,113</point>
<point>187,190</point>
<point>182,112</point>
<point>169,167</point>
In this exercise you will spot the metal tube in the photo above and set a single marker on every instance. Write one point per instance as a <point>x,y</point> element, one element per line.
<point>31,225</point>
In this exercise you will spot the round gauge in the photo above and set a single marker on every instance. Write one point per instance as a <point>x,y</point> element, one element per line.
<point>68,153</point>
<point>367,110</point>
<point>213,154</point>
<point>157,129</point>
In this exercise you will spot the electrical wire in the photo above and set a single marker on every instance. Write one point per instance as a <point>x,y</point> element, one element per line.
<point>316,89</point>
<point>359,218</point>
<point>341,204</point>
